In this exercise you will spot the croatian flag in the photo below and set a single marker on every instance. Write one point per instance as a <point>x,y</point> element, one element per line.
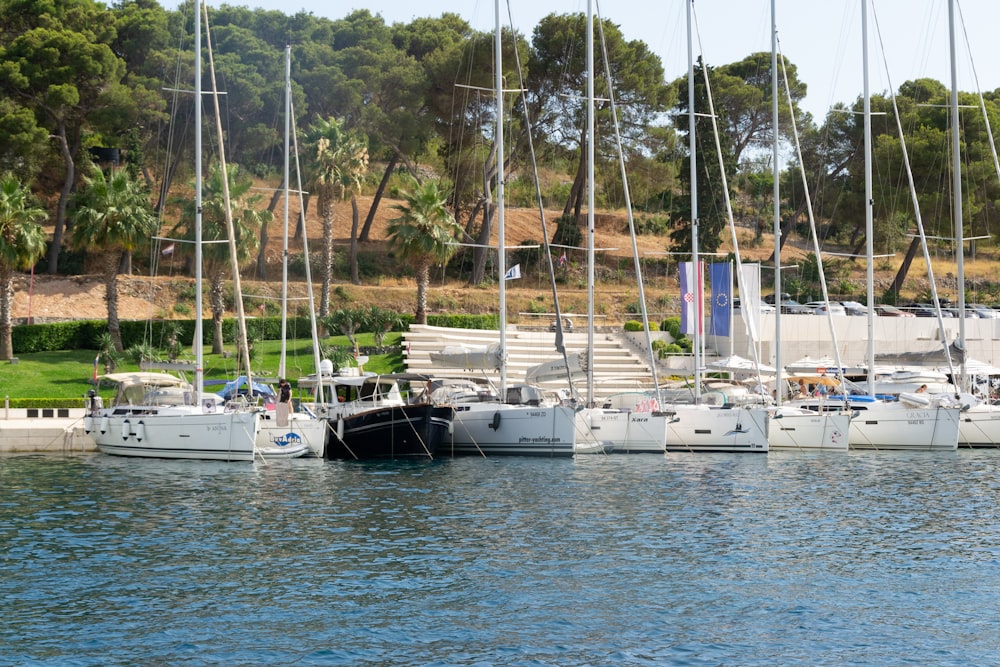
<point>169,250</point>
<point>97,360</point>
<point>689,297</point>
<point>562,258</point>
<point>513,273</point>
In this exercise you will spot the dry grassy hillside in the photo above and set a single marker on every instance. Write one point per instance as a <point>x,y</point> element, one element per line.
<point>616,294</point>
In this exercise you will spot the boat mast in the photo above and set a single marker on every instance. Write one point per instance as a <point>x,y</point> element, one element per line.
<point>199,353</point>
<point>590,203</point>
<point>694,209</point>
<point>501,247</point>
<point>284,248</point>
<point>956,185</point>
<point>777,212</point>
<point>869,219</point>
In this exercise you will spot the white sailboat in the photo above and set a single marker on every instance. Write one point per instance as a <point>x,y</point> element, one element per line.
<point>282,428</point>
<point>626,430</point>
<point>513,422</point>
<point>791,427</point>
<point>184,422</point>
<point>699,427</point>
<point>914,422</point>
<point>979,425</point>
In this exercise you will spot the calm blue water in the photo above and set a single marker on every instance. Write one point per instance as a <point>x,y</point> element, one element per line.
<point>780,559</point>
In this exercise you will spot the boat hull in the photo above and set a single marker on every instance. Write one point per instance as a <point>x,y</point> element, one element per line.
<point>223,436</point>
<point>498,429</point>
<point>979,426</point>
<point>628,431</point>
<point>301,429</point>
<point>702,428</point>
<point>794,429</point>
<point>390,432</point>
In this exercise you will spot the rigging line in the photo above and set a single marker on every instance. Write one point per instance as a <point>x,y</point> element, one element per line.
<point>979,91</point>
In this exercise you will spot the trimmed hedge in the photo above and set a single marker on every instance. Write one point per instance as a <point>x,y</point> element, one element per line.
<point>86,334</point>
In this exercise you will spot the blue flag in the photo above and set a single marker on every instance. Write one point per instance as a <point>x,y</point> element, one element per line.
<point>722,288</point>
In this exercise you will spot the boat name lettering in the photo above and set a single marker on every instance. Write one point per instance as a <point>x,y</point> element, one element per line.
<point>217,428</point>
<point>921,415</point>
<point>539,413</point>
<point>541,438</point>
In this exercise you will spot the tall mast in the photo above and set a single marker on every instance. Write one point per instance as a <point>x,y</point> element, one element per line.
<point>284,248</point>
<point>956,186</point>
<point>199,354</point>
<point>501,245</point>
<point>590,202</point>
<point>777,212</point>
<point>694,207</point>
<point>869,203</point>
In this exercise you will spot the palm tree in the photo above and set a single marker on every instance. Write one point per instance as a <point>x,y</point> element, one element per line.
<point>248,217</point>
<point>337,163</point>
<point>111,216</point>
<point>424,234</point>
<point>22,243</point>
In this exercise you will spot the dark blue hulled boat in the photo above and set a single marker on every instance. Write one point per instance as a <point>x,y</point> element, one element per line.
<point>378,416</point>
<point>395,432</point>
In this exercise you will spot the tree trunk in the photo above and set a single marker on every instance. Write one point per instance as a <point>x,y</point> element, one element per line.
<point>6,325</point>
<point>481,251</point>
<point>218,300</point>
<point>262,252</point>
<point>355,220</point>
<point>575,200</point>
<point>326,270</point>
<point>904,268</point>
<point>60,224</point>
<point>111,298</point>
<point>386,175</point>
<point>423,284</point>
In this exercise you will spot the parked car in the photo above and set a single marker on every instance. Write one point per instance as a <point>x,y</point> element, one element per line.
<point>984,311</point>
<point>886,310</point>
<point>926,310</point>
<point>765,308</point>
<point>855,308</point>
<point>821,308</point>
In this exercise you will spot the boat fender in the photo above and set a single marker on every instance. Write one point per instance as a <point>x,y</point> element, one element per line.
<point>88,424</point>
<point>919,400</point>
<point>451,428</point>
<point>495,424</point>
<point>126,429</point>
<point>140,431</point>
<point>105,425</point>
<point>340,429</point>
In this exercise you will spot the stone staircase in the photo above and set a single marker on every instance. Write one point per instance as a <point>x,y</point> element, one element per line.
<point>617,366</point>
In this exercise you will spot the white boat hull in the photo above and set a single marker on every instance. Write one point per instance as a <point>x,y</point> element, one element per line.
<point>904,427</point>
<point>979,426</point>
<point>511,430</point>
<point>301,429</point>
<point>629,432</point>
<point>219,436</point>
<point>797,429</point>
<point>702,428</point>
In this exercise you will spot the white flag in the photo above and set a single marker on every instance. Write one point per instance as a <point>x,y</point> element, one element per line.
<point>513,273</point>
<point>750,299</point>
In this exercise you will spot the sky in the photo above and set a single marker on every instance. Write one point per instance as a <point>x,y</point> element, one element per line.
<point>907,38</point>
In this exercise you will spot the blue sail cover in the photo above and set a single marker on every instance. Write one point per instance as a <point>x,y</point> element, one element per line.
<point>239,386</point>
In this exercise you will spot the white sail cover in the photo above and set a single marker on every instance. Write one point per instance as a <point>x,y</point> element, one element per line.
<point>469,357</point>
<point>555,369</point>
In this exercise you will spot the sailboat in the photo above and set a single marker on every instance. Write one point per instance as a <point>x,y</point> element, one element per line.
<point>700,427</point>
<point>915,421</point>
<point>182,421</point>
<point>791,427</point>
<point>513,421</point>
<point>626,430</point>
<point>284,429</point>
<point>979,426</point>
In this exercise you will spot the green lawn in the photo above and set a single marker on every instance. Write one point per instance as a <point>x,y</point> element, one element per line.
<point>69,374</point>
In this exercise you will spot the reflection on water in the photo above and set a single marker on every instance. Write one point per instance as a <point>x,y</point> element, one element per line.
<point>788,558</point>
